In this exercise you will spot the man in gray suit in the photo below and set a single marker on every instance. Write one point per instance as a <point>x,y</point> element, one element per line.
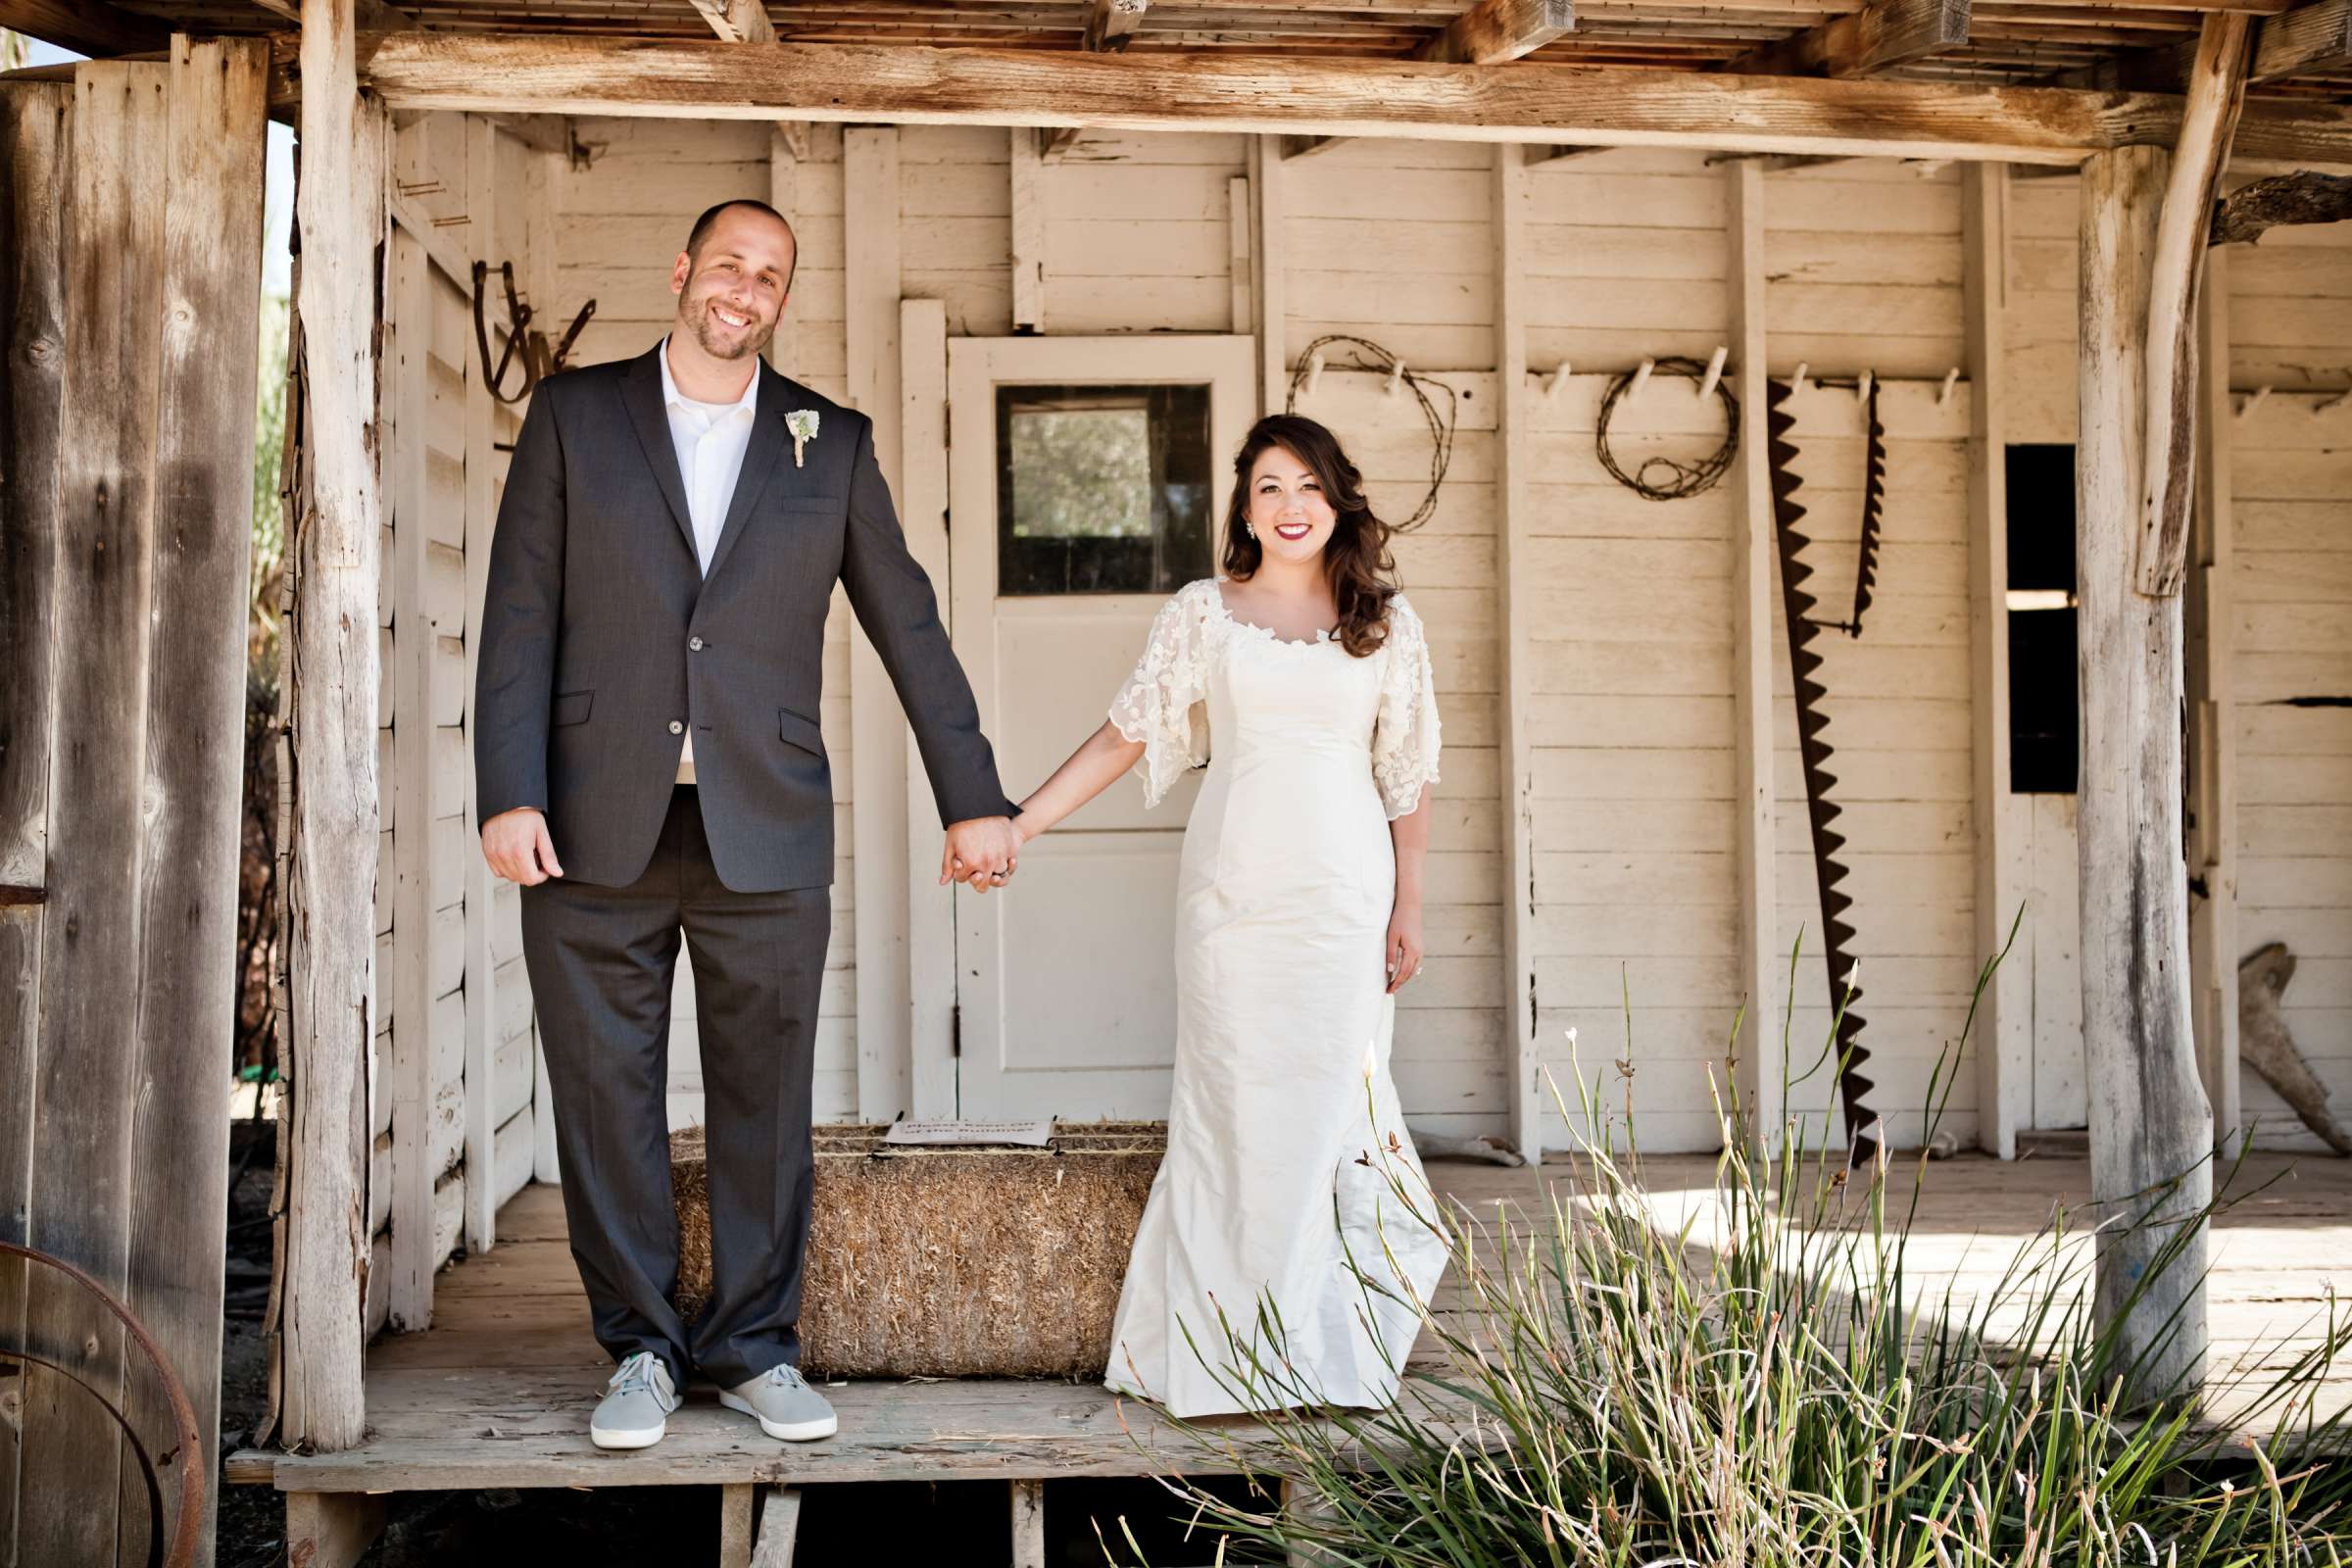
<point>649,762</point>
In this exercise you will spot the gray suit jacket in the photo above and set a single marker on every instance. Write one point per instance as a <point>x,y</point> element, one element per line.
<point>601,637</point>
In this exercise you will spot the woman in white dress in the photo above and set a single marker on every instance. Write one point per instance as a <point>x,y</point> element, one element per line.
<point>1301,678</point>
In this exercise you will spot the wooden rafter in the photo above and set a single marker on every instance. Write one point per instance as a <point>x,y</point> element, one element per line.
<point>1111,23</point>
<point>1882,35</point>
<point>2246,213</point>
<point>738,21</point>
<point>2316,37</point>
<point>1146,90</point>
<point>86,26</point>
<point>1494,30</point>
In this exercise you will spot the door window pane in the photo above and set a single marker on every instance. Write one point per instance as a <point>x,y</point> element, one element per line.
<point>1102,489</point>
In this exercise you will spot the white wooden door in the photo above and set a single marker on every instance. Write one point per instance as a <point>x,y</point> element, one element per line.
<point>1087,480</point>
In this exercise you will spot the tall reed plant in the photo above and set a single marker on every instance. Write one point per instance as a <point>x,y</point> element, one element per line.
<point>1609,1389</point>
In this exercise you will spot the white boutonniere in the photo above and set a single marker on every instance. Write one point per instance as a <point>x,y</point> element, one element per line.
<point>802,422</point>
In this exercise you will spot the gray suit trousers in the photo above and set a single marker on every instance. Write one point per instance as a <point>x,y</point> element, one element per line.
<point>602,962</point>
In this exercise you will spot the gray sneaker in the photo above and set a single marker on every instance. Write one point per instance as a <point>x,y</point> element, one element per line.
<point>634,1411</point>
<point>786,1405</point>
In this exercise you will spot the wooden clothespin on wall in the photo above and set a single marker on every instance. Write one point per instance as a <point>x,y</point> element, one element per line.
<point>1714,373</point>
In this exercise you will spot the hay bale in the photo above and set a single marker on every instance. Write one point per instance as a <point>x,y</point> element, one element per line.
<point>951,1262</point>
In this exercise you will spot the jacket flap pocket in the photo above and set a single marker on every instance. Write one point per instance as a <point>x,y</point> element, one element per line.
<point>801,732</point>
<point>571,708</point>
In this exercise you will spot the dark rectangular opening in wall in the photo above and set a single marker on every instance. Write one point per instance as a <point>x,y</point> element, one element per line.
<point>2045,680</point>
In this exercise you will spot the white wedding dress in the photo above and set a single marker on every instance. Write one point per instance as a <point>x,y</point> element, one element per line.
<point>1283,1109</point>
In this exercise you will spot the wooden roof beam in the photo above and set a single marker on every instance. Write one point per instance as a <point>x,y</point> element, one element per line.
<point>86,26</point>
<point>1882,35</point>
<point>2314,36</point>
<point>1319,96</point>
<point>1496,30</point>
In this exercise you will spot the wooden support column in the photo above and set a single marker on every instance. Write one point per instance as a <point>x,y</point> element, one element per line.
<point>1029,1524</point>
<point>2151,1132</point>
<point>879,756</point>
<point>1761,1078</point>
<point>785,155</point>
<point>2004,1030</point>
<point>481,507</point>
<point>2208,631</point>
<point>331,669</point>
<point>1513,585</point>
<point>1266,264</point>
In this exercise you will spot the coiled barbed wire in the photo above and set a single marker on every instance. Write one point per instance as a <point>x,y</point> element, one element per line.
<point>1440,427</point>
<point>1685,478</point>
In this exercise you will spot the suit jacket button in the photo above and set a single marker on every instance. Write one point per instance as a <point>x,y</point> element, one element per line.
<point>695,643</point>
<point>676,729</point>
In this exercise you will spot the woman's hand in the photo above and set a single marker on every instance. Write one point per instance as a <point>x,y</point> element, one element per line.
<point>1404,948</point>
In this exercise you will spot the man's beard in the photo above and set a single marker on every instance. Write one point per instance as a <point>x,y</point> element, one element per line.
<point>753,340</point>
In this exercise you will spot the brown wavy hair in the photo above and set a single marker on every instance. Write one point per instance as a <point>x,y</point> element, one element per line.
<point>1356,558</point>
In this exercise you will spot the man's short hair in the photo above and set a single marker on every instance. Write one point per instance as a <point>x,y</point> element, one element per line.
<point>701,229</point>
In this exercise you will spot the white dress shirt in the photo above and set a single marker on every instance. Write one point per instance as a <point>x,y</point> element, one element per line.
<point>709,438</point>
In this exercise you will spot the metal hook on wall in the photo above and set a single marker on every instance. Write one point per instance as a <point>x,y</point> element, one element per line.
<point>538,360</point>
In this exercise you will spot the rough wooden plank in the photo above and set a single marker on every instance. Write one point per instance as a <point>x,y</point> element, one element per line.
<point>785,156</point>
<point>735,1500</point>
<point>2151,1130</point>
<point>780,1528</point>
<point>2005,1033</point>
<point>1881,35</point>
<point>331,654</point>
<point>1514,584</point>
<point>1028,1524</point>
<point>91,937</point>
<point>195,724</point>
<point>1494,30</point>
<point>1269,260</point>
<point>1761,1072</point>
<point>2217,93</point>
<point>35,174</point>
<point>331,1529</point>
<point>2211,738</point>
<point>879,757</point>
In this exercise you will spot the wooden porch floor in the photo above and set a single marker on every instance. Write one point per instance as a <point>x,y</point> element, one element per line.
<point>497,1392</point>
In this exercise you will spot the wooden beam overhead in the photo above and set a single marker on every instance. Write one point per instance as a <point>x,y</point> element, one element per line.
<point>1496,30</point>
<point>2317,37</point>
<point>86,26</point>
<point>1154,90</point>
<point>738,21</point>
<point>2247,213</point>
<point>1882,35</point>
<point>1110,23</point>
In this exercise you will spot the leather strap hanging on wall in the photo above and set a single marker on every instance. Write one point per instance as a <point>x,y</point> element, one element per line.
<point>1804,666</point>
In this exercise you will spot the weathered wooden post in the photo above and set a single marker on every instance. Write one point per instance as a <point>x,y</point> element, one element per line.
<point>2151,1130</point>
<point>331,676</point>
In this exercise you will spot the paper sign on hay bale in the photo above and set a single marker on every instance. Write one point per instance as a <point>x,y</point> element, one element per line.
<point>949,1261</point>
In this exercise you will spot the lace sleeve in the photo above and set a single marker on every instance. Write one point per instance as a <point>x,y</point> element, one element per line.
<point>1164,703</point>
<point>1404,737</point>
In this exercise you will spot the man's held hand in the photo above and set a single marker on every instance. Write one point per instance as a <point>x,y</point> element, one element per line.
<point>518,848</point>
<point>981,850</point>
